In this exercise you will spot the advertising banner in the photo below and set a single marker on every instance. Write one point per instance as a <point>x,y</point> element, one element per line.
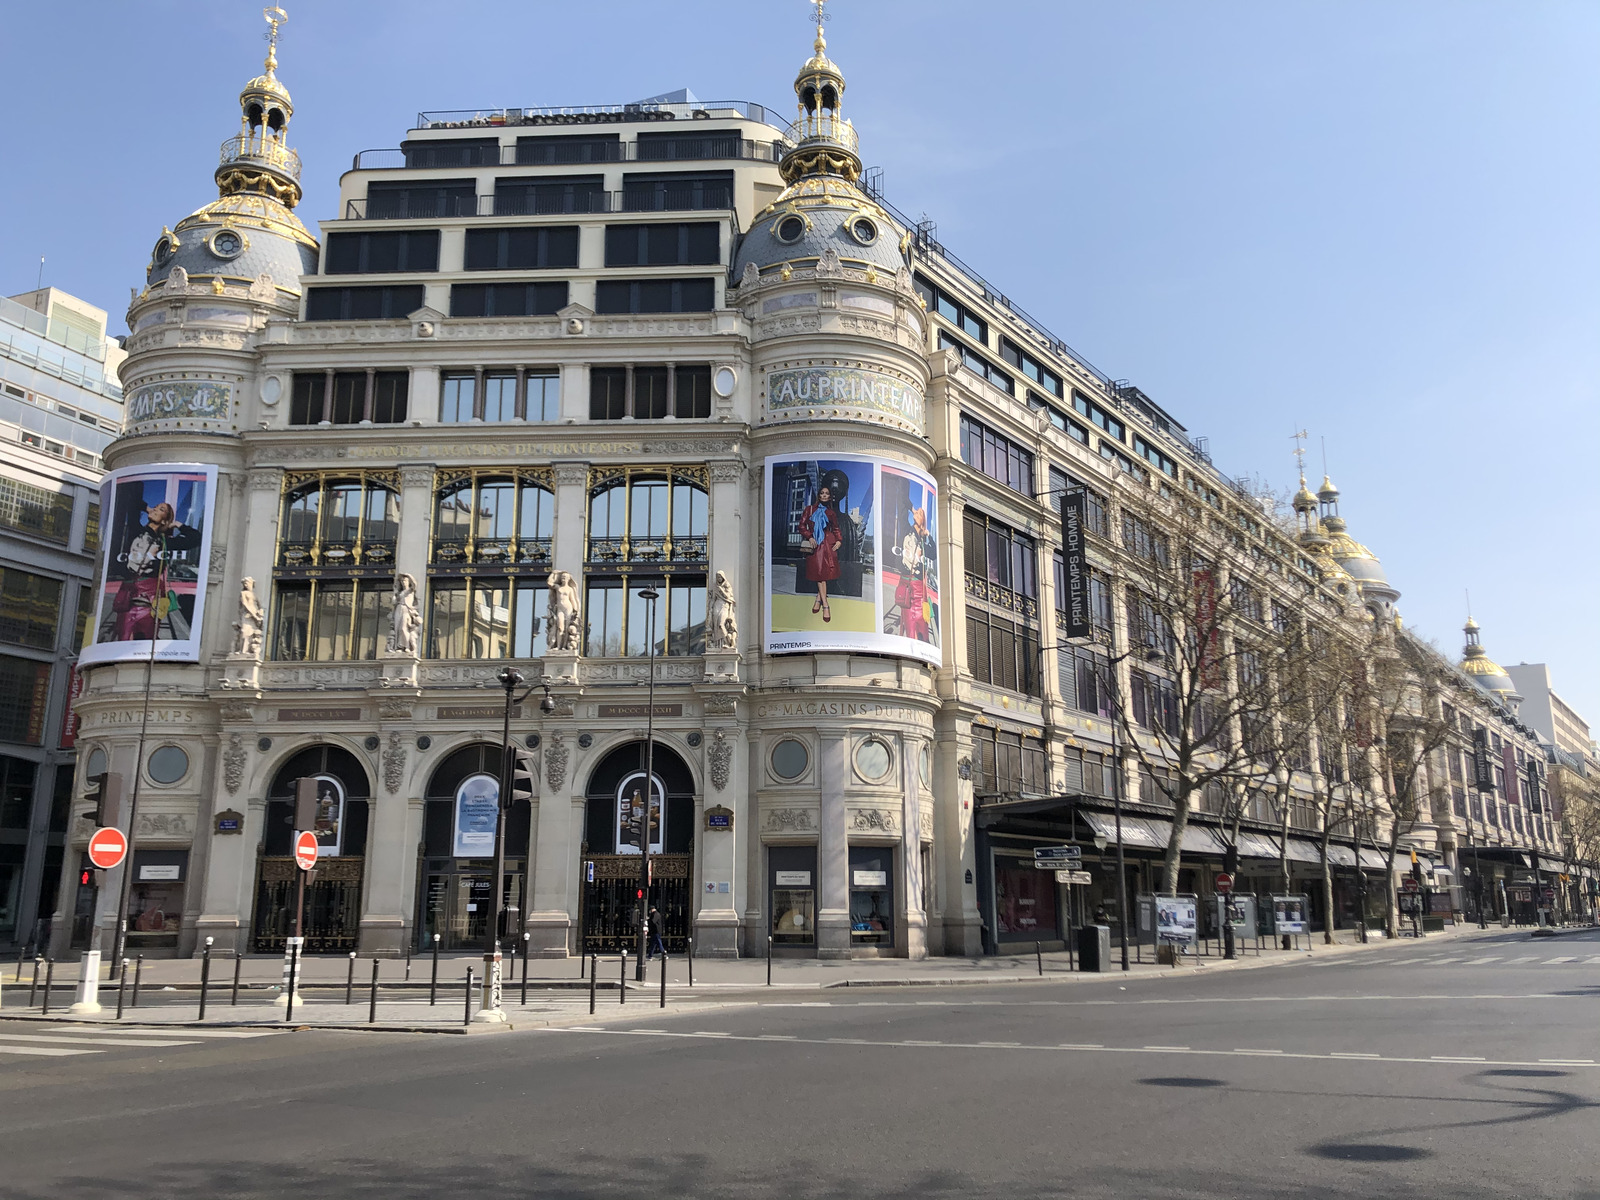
<point>1076,561</point>
<point>1175,920</point>
<point>328,826</point>
<point>1288,914</point>
<point>630,807</point>
<point>156,541</point>
<point>852,557</point>
<point>477,814</point>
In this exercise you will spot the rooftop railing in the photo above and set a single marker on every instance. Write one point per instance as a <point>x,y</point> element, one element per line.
<point>526,204</point>
<point>824,127</point>
<point>595,114</point>
<point>262,149</point>
<point>691,147</point>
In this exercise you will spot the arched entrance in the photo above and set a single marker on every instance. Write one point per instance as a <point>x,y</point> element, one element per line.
<point>609,914</point>
<point>332,919</point>
<point>458,853</point>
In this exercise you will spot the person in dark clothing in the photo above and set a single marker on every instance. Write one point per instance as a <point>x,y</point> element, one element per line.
<point>655,945</point>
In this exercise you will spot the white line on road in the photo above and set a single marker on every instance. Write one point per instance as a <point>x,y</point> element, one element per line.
<point>1434,962</point>
<point>1564,958</point>
<point>51,1051</point>
<point>1478,962</point>
<point>1526,958</point>
<point>1593,960</point>
<point>1246,1050</point>
<point>1354,1054</point>
<point>1569,1062</point>
<point>1165,1047</point>
<point>81,1040</point>
<point>1458,1058</point>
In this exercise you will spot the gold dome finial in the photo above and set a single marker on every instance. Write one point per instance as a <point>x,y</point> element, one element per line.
<point>258,161</point>
<point>822,141</point>
<point>275,17</point>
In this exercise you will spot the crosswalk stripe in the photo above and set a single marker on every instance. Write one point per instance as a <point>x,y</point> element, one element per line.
<point>1435,962</point>
<point>1593,960</point>
<point>1526,958</point>
<point>50,1051</point>
<point>1474,962</point>
<point>1563,959</point>
<point>83,1040</point>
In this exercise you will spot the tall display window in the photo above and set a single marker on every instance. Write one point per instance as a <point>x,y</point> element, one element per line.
<point>871,896</point>
<point>792,895</point>
<point>1024,901</point>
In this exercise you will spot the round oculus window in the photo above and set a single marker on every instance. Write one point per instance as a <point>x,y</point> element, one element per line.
<point>168,764</point>
<point>96,764</point>
<point>873,759</point>
<point>227,243</point>
<point>790,759</point>
<point>724,381</point>
<point>163,251</point>
<point>925,767</point>
<point>791,229</point>
<point>864,231</point>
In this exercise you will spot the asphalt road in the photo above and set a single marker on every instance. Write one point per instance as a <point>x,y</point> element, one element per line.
<point>1459,1069</point>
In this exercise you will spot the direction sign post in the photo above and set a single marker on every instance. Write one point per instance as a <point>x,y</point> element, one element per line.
<point>1076,878</point>
<point>108,847</point>
<point>1056,858</point>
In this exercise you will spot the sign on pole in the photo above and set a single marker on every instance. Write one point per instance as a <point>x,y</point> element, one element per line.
<point>1224,884</point>
<point>107,847</point>
<point>1050,858</point>
<point>1080,878</point>
<point>305,850</point>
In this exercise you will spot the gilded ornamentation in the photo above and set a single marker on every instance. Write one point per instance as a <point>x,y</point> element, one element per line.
<point>233,760</point>
<point>394,762</point>
<point>555,764</point>
<point>788,820</point>
<point>720,756</point>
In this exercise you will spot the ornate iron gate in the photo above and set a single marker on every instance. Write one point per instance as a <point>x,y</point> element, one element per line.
<point>333,905</point>
<point>610,901</point>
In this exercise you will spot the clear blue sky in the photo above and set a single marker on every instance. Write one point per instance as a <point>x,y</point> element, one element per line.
<point>1375,219</point>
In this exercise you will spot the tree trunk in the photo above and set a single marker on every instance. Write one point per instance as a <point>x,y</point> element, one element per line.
<point>1180,822</point>
<point>1327,891</point>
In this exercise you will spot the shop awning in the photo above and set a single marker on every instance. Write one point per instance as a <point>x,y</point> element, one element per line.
<point>1303,851</point>
<point>1152,833</point>
<point>1255,845</point>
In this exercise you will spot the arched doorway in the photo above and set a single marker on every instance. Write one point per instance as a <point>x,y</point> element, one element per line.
<point>457,865</point>
<point>609,913</point>
<point>332,920</point>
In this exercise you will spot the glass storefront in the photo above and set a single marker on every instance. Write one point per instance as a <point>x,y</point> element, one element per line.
<point>456,902</point>
<point>792,895</point>
<point>871,896</point>
<point>1024,901</point>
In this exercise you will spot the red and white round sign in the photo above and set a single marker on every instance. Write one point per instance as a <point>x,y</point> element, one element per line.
<point>107,847</point>
<point>305,849</point>
<point>1224,884</point>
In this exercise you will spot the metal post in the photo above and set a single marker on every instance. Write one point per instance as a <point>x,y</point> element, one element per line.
<point>22,953</point>
<point>691,962</point>
<point>138,976</point>
<point>372,1005</point>
<point>49,978</point>
<point>350,979</point>
<point>1477,874</point>
<point>125,890</point>
<point>1361,876</point>
<point>205,976</point>
<point>622,980</point>
<point>433,983</point>
<point>33,984</point>
<point>122,984</point>
<point>510,678</point>
<point>238,961</point>
<point>769,960</point>
<point>1038,953</point>
<point>663,979</point>
<point>649,595</point>
<point>594,967</point>
<point>466,1016</point>
<point>526,938</point>
<point>294,965</point>
<point>408,962</point>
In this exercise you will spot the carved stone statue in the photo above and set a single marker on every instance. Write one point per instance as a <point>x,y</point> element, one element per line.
<point>247,629</point>
<point>563,629</point>
<point>177,280</point>
<point>407,617</point>
<point>722,633</point>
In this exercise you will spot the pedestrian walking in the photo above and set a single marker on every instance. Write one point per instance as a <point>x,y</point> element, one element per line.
<point>655,946</point>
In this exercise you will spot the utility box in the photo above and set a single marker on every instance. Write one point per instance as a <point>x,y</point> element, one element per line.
<point>1094,947</point>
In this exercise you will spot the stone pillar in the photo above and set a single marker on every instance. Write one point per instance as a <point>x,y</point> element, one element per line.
<point>915,919</point>
<point>833,852</point>
<point>575,391</point>
<point>571,518</point>
<point>227,883</point>
<point>557,835</point>
<point>416,528</point>
<point>716,923</point>
<point>394,828</point>
<point>422,402</point>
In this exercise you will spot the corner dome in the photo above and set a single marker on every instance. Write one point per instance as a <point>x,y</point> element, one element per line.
<point>815,215</point>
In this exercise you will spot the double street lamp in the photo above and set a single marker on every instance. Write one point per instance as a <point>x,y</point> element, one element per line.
<point>649,595</point>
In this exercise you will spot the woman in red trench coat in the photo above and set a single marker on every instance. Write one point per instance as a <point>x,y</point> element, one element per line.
<point>821,537</point>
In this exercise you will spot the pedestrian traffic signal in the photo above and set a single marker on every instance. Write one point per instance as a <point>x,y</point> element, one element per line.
<point>305,803</point>
<point>106,797</point>
<point>83,879</point>
<point>522,776</point>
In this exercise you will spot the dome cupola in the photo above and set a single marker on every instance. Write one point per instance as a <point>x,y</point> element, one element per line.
<point>259,159</point>
<point>1485,672</point>
<point>821,141</point>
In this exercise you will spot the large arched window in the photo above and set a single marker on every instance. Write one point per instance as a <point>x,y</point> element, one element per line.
<point>647,528</point>
<point>353,791</point>
<point>492,537</point>
<point>612,785</point>
<point>335,562</point>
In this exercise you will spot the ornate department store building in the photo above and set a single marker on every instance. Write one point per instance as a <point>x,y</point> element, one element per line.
<point>541,361</point>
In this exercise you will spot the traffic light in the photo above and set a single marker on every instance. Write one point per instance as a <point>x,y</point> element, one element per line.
<point>106,798</point>
<point>522,776</point>
<point>305,803</point>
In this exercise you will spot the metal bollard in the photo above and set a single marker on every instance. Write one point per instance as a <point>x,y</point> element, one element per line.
<point>33,984</point>
<point>205,976</point>
<point>122,984</point>
<point>22,954</point>
<point>594,967</point>
<point>408,962</point>
<point>294,964</point>
<point>691,962</point>
<point>138,977</point>
<point>622,981</point>
<point>663,979</point>
<point>350,979</point>
<point>466,1016</point>
<point>1038,953</point>
<point>433,984</point>
<point>238,961</point>
<point>49,978</point>
<point>769,960</point>
<point>372,1005</point>
<point>526,938</point>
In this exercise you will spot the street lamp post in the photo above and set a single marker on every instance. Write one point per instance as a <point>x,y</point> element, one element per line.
<point>649,595</point>
<point>1361,876</point>
<point>1116,805</point>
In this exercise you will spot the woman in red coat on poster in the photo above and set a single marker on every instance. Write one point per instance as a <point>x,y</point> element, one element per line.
<point>820,538</point>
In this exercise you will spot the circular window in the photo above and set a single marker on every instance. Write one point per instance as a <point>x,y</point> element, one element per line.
<point>925,767</point>
<point>791,229</point>
<point>163,251</point>
<point>168,765</point>
<point>864,231</point>
<point>96,763</point>
<point>873,759</point>
<point>790,759</point>
<point>723,381</point>
<point>227,243</point>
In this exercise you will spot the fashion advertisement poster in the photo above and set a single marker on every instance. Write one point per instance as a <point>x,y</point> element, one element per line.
<point>156,538</point>
<point>1288,914</point>
<point>630,809</point>
<point>328,826</point>
<point>852,557</point>
<point>477,813</point>
<point>1175,920</point>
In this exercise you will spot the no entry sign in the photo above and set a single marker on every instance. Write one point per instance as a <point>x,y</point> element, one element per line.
<point>305,850</point>
<point>1224,884</point>
<point>107,848</point>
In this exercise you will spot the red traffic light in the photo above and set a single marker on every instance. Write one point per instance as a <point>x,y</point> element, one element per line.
<point>83,879</point>
<point>639,895</point>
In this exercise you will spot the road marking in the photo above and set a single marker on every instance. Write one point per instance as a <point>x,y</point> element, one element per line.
<point>50,1051</point>
<point>1332,1056</point>
<point>1592,960</point>
<point>1080,1046</point>
<point>802,1004</point>
<point>1458,1058</point>
<point>1526,958</point>
<point>711,1033</point>
<point>1565,958</point>
<point>922,1043</point>
<point>1569,1062</point>
<point>1245,1050</point>
<point>1476,962</point>
<point>90,1041</point>
<point>1434,962</point>
<point>765,1037</point>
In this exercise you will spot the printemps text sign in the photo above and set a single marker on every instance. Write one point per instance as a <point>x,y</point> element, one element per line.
<point>174,400</point>
<point>791,391</point>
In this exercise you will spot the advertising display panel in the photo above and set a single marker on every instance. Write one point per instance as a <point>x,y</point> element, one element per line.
<point>1175,920</point>
<point>156,542</point>
<point>852,557</point>
<point>477,814</point>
